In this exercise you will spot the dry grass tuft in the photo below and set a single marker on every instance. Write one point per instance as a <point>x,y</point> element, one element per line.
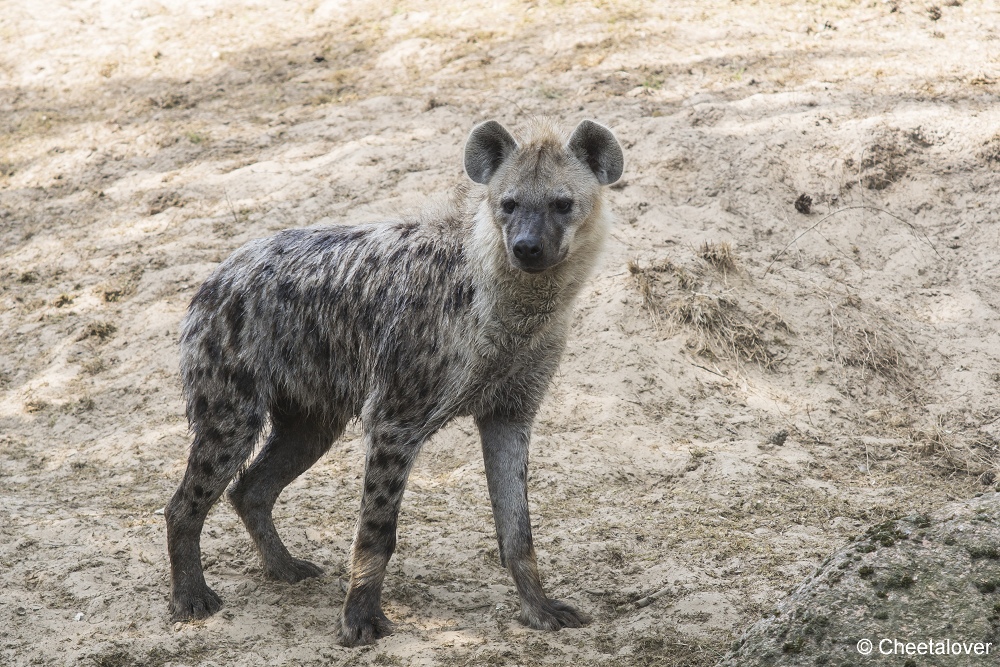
<point>643,284</point>
<point>719,255</point>
<point>867,339</point>
<point>882,162</point>
<point>990,152</point>
<point>955,455</point>
<point>124,288</point>
<point>100,330</point>
<point>874,351</point>
<point>722,329</point>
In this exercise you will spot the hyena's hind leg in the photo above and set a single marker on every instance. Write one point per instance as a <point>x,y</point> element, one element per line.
<point>296,442</point>
<point>226,429</point>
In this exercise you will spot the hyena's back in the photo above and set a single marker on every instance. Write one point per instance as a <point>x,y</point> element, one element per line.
<point>317,319</point>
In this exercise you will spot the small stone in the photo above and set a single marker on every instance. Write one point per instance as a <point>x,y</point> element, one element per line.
<point>778,439</point>
<point>160,511</point>
<point>804,204</point>
<point>79,616</point>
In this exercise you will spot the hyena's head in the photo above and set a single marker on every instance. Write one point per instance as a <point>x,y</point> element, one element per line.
<point>542,190</point>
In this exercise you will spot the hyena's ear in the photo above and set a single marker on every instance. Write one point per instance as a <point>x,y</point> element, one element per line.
<point>597,148</point>
<point>488,146</point>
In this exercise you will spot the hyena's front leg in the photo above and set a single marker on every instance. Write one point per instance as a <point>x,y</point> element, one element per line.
<point>390,454</point>
<point>505,451</point>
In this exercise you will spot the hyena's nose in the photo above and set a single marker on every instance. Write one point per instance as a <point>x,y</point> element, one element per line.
<point>528,249</point>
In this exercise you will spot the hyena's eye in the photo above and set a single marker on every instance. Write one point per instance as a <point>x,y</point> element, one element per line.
<point>562,205</point>
<point>508,206</point>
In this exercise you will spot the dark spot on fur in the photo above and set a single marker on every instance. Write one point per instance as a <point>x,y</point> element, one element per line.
<point>234,314</point>
<point>241,379</point>
<point>207,468</point>
<point>286,291</point>
<point>200,407</point>
<point>398,254</point>
<point>194,509</point>
<point>224,459</point>
<point>440,257</point>
<point>357,291</point>
<point>287,238</point>
<point>367,541</point>
<point>222,409</point>
<point>459,296</point>
<point>327,243</point>
<point>254,421</point>
<point>395,485</point>
<point>321,347</point>
<point>198,491</point>
<point>388,459</point>
<point>194,327</point>
<point>366,317</point>
<point>357,234</point>
<point>207,295</point>
<point>381,528</point>
<point>381,501</point>
<point>211,348</point>
<point>370,486</point>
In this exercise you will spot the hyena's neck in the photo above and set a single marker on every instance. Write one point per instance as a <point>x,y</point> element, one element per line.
<point>525,305</point>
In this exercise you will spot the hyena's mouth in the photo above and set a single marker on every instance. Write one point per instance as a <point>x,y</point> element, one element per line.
<point>535,268</point>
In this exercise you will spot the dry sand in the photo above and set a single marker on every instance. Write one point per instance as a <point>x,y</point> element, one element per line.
<point>746,386</point>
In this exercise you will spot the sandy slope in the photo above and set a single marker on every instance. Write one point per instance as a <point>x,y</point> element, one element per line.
<point>143,141</point>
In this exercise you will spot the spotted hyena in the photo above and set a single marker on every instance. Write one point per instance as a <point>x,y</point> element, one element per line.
<point>407,325</point>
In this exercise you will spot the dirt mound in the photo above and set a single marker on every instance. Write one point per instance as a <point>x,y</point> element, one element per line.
<point>929,579</point>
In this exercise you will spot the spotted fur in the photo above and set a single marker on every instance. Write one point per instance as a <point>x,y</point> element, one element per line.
<point>407,325</point>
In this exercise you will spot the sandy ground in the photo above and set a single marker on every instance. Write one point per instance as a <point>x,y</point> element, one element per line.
<point>747,384</point>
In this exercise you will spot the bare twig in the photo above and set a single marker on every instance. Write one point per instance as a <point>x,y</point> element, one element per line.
<point>653,597</point>
<point>842,210</point>
<point>709,370</point>
<point>232,210</point>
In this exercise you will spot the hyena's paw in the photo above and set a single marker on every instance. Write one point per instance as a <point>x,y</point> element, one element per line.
<point>359,629</point>
<point>189,605</point>
<point>553,615</point>
<point>292,570</point>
